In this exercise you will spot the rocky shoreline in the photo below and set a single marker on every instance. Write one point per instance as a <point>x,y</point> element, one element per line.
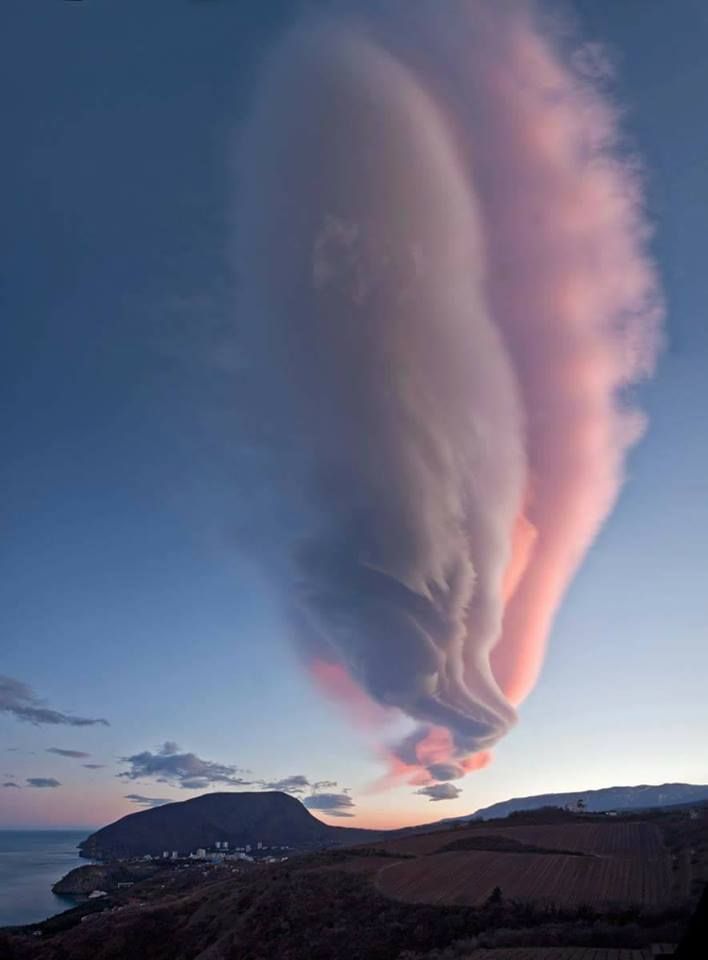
<point>106,877</point>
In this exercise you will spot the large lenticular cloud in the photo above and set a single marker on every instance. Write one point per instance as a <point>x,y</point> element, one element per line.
<point>443,277</point>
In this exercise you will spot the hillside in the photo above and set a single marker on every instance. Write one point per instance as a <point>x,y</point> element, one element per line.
<point>643,797</point>
<point>275,819</point>
<point>596,861</point>
<point>585,882</point>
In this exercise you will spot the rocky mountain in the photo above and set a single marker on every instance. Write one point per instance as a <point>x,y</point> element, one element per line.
<point>276,819</point>
<point>608,798</point>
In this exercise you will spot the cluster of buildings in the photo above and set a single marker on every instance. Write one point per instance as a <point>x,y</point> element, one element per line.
<point>221,852</point>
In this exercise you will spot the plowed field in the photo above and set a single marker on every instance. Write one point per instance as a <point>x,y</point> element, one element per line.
<point>621,863</point>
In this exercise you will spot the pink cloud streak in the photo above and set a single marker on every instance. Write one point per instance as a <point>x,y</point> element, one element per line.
<point>576,296</point>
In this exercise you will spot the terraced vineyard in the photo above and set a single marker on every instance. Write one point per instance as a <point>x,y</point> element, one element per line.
<point>602,839</point>
<point>620,863</point>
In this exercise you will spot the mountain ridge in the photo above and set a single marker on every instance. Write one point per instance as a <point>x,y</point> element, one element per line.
<point>271,817</point>
<point>639,797</point>
<point>278,819</point>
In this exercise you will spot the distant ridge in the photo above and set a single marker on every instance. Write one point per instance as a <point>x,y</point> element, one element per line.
<point>640,797</point>
<point>275,819</point>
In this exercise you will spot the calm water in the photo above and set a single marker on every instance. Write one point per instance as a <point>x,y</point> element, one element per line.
<point>30,862</point>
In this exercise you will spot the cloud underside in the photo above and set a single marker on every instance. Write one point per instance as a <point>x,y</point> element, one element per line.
<point>331,804</point>
<point>440,791</point>
<point>75,754</point>
<point>143,801</point>
<point>444,331</point>
<point>295,784</point>
<point>42,782</point>
<point>19,701</point>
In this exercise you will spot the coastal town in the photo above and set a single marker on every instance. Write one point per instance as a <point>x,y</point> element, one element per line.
<point>221,852</point>
<point>99,880</point>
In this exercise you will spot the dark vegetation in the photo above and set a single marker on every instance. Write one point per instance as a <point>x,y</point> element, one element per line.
<point>695,940</point>
<point>298,913</point>
<point>503,844</point>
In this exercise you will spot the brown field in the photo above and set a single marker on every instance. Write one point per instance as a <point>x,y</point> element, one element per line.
<point>628,838</point>
<point>623,862</point>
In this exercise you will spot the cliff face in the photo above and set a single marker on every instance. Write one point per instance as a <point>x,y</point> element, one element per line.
<point>275,819</point>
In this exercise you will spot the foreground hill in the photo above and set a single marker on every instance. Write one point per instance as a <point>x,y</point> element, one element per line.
<point>643,797</point>
<point>408,897</point>
<point>275,819</point>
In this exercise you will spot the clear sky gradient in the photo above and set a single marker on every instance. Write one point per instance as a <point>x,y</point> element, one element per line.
<point>123,593</point>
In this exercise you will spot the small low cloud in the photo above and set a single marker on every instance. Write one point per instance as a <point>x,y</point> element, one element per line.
<point>77,754</point>
<point>142,801</point>
<point>43,782</point>
<point>440,791</point>
<point>185,770</point>
<point>333,804</point>
<point>196,783</point>
<point>297,783</point>
<point>11,784</point>
<point>20,701</point>
<point>93,766</point>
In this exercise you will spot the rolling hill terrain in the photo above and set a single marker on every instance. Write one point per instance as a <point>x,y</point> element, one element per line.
<point>592,887</point>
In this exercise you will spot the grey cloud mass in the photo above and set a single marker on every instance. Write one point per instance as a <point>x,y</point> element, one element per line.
<point>440,791</point>
<point>445,771</point>
<point>43,782</point>
<point>171,765</point>
<point>19,700</point>
<point>10,784</point>
<point>77,754</point>
<point>93,766</point>
<point>297,783</point>
<point>387,435</point>
<point>187,770</point>
<point>333,804</point>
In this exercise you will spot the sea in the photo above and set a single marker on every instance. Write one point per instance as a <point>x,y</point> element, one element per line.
<point>30,862</point>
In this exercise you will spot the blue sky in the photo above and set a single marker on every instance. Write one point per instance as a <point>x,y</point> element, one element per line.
<point>122,593</point>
